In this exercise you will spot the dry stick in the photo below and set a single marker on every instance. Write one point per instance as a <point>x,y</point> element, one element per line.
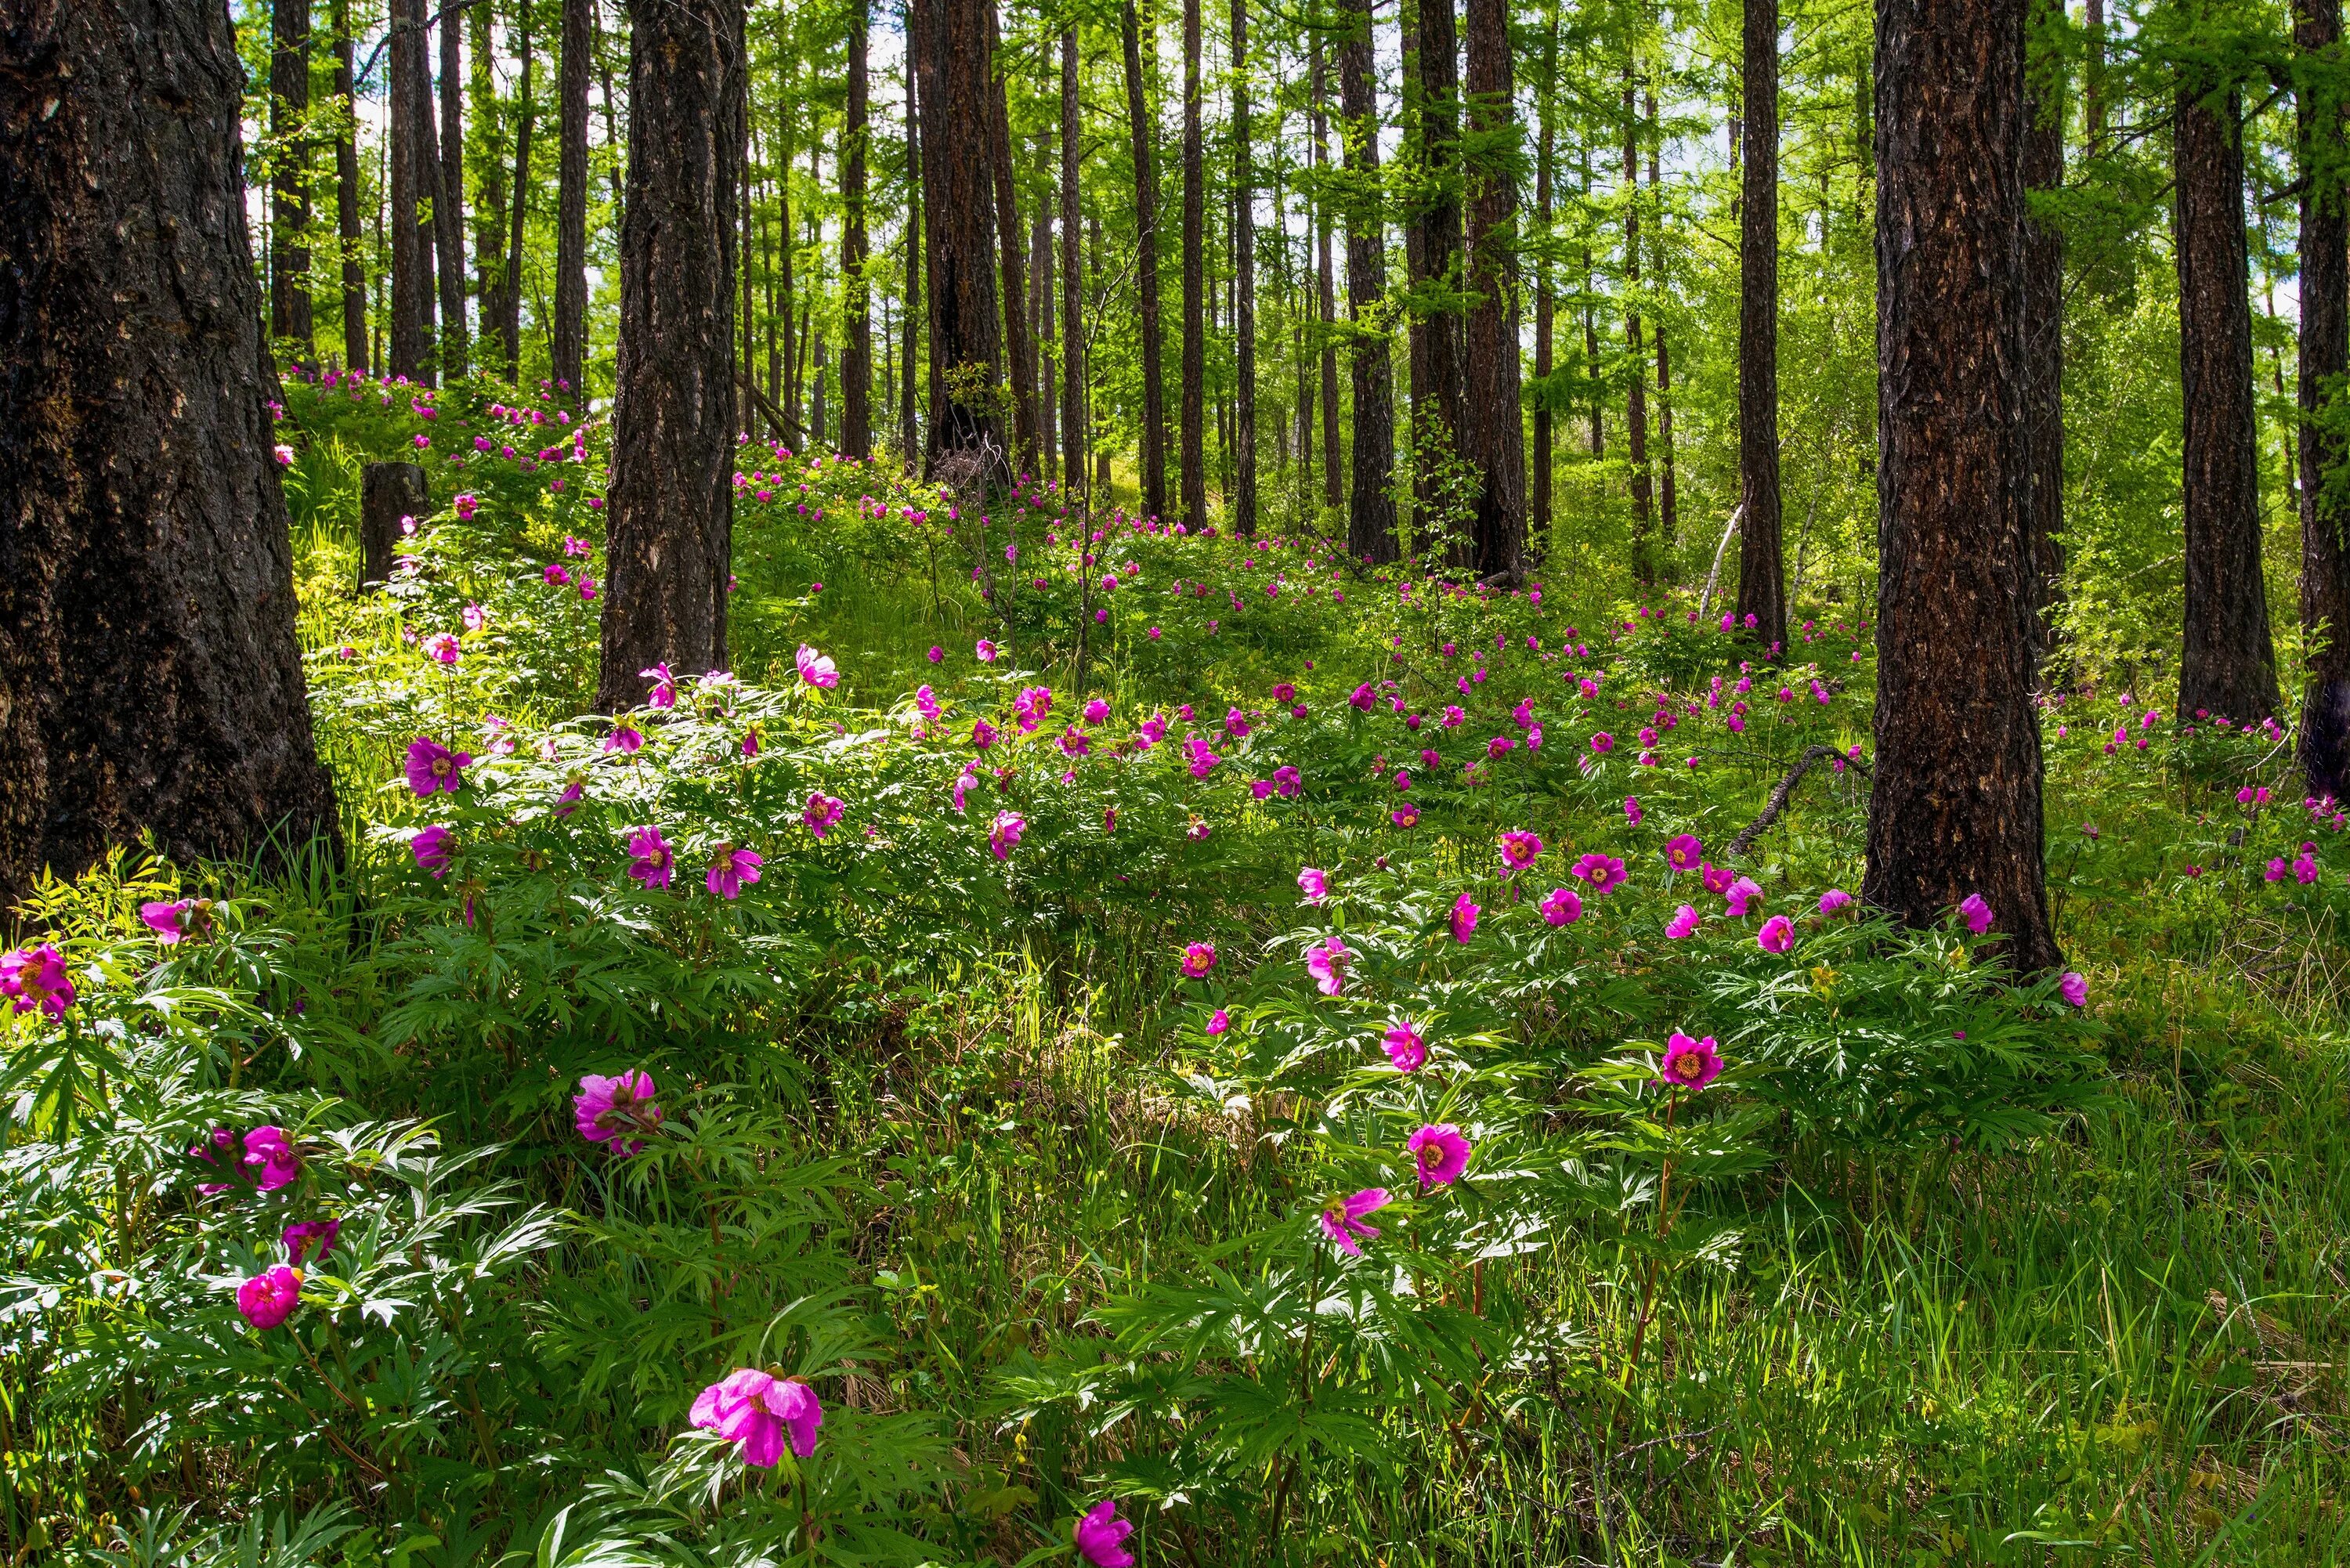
<point>1812,757</point>
<point>1713,577</point>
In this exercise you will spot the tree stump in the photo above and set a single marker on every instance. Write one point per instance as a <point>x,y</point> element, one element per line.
<point>387,492</point>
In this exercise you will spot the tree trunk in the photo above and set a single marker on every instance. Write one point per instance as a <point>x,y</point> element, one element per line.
<point>672,515</point>
<point>1019,351</point>
<point>149,676</point>
<point>2093,77</point>
<point>1762,573</point>
<point>347,198</point>
<point>1191,443</point>
<point>2325,357</point>
<point>2043,332</point>
<point>1668,505</point>
<point>952,60</point>
<point>1146,242</point>
<point>510,302</point>
<point>1954,807</point>
<point>1243,500</point>
<point>1073,367</point>
<point>568,347</point>
<point>412,174</point>
<point>1440,393</point>
<point>1371,509</point>
<point>490,220</point>
<point>1596,401</point>
<point>289,203</point>
<point>1545,305</point>
<point>2228,665</point>
<point>1496,429</point>
<point>449,199</point>
<point>908,427</point>
<point>856,350</point>
<point>1333,492</point>
<point>1636,410</point>
<point>389,493</point>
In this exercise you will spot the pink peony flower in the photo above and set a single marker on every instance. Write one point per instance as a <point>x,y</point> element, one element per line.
<point>1519,849</point>
<point>985,651</point>
<point>1563,906</point>
<point>1003,835</point>
<point>1832,900</point>
<point>1464,919</point>
<point>1315,884</point>
<point>1327,962</point>
<point>1690,1064</point>
<point>1603,742</point>
<point>1977,912</point>
<point>1683,923</point>
<point>731,870</point>
<point>625,741</point>
<point>1604,872</point>
<point>179,919</point>
<point>1632,812</point>
<point>1406,1047</point>
<point>760,1413</point>
<point>1100,1536</point>
<point>1777,935</point>
<point>1442,1153</point>
<point>1218,1021</point>
<point>1741,895</point>
<point>432,848</point>
<point>432,766</point>
<point>1717,878</point>
<point>270,1157</point>
<point>822,813</point>
<point>656,862</point>
<point>1342,1222</point>
<point>816,668</point>
<point>1405,817</point>
<point>1199,958</point>
<point>310,1238</point>
<point>270,1297</point>
<point>664,691</point>
<point>605,1110</point>
<point>1683,852</point>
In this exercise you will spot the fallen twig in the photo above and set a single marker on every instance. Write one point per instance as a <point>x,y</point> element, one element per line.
<point>1813,756</point>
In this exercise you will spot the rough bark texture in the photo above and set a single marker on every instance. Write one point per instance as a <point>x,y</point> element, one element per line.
<point>1019,351</point>
<point>1433,253</point>
<point>856,353</point>
<point>1243,500</point>
<point>1073,338</point>
<point>347,198</point>
<point>2325,357</point>
<point>1538,499</point>
<point>1636,400</point>
<point>1146,239</point>
<point>966,342</point>
<point>411,169</point>
<point>448,197</point>
<point>1668,507</point>
<point>148,672</point>
<point>1371,509</point>
<point>510,301</point>
<point>1192,440</point>
<point>1496,431</point>
<point>674,425</point>
<point>2228,664</point>
<point>1955,805</point>
<point>387,492</point>
<point>1326,298</point>
<point>2043,329</point>
<point>289,198</point>
<point>567,347</point>
<point>1761,572</point>
<point>910,323</point>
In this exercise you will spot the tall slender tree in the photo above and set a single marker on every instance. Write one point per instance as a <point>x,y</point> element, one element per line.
<point>671,535</point>
<point>1334,485</point>
<point>412,175</point>
<point>857,353</point>
<point>1371,508</point>
<point>1192,488</point>
<point>1074,432</point>
<point>2325,360</point>
<point>490,214</point>
<point>1243,500</point>
<point>1019,351</point>
<point>1434,253</point>
<point>1635,398</point>
<point>1762,573</point>
<point>2228,664</point>
<point>951,61</point>
<point>527,113</point>
<point>1668,484</point>
<point>289,196</point>
<point>346,195</point>
<point>567,345</point>
<point>1145,129</point>
<point>1545,300</point>
<point>910,323</point>
<point>151,676</point>
<point>1954,806</point>
<point>449,196</point>
<point>1496,434</point>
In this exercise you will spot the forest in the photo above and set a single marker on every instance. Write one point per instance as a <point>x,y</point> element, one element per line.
<point>967,784</point>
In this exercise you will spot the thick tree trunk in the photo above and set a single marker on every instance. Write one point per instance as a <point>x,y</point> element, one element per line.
<point>1371,509</point>
<point>568,349</point>
<point>1243,500</point>
<point>347,198</point>
<point>2325,357</point>
<point>909,425</point>
<point>1636,401</point>
<point>950,57</point>
<point>2228,664</point>
<point>150,677</point>
<point>2093,77</point>
<point>1668,505</point>
<point>1762,575</point>
<point>856,352</point>
<point>449,199</point>
<point>490,220</point>
<point>1191,442</point>
<point>1545,305</point>
<point>1019,351</point>
<point>1434,253</point>
<point>1144,131</point>
<point>389,493</point>
<point>1073,341</point>
<point>412,175</point>
<point>510,301</point>
<point>1496,430</point>
<point>1954,807</point>
<point>1041,314</point>
<point>289,201</point>
<point>1334,491</point>
<point>2043,336</point>
<point>674,425</point>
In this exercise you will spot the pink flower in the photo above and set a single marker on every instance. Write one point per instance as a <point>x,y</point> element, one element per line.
<point>1977,912</point>
<point>760,1413</point>
<point>2073,989</point>
<point>441,646</point>
<point>1563,906</point>
<point>1100,1535</point>
<point>1096,712</point>
<point>664,692</point>
<point>1342,1222</point>
<point>1690,1064</point>
<point>731,870</point>
<point>1003,836</point>
<point>1717,878</point>
<point>1777,935</point>
<point>270,1297</point>
<point>1199,958</point>
<point>1464,919</point>
<point>270,1156</point>
<point>816,668</point>
<point>1406,1047</point>
<point>1405,817</point>
<point>985,651</point>
<point>1315,884</point>
<point>1604,872</point>
<point>1684,923</point>
<point>1682,851</point>
<point>1741,895</point>
<point>432,766</point>
<point>432,849</point>
<point>1327,962</point>
<point>1442,1153</point>
<point>170,922</point>
<point>1603,742</point>
<point>1519,849</point>
<point>655,862</point>
<point>1219,1021</point>
<point>750,747</point>
<point>1632,812</point>
<point>625,741</point>
<point>301,1238</point>
<point>822,813</point>
<point>605,1110</point>
<point>1832,900</point>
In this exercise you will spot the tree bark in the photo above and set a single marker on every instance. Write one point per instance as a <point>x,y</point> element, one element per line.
<point>1433,253</point>
<point>347,198</point>
<point>1073,341</point>
<point>449,198</point>
<point>568,345</point>
<point>1955,805</point>
<point>856,351</point>
<point>1762,573</point>
<point>149,676</point>
<point>2324,359</point>
<point>2043,327</point>
<point>1192,465</point>
<point>2228,665</point>
<point>1371,508</point>
<point>1545,305</point>
<point>670,542</point>
<point>510,300</point>
<point>1041,316</point>
<point>1146,241</point>
<point>289,203</point>
<point>490,220</point>
<point>1636,410</point>
<point>966,332</point>
<point>412,175</point>
<point>1243,500</point>
<point>1496,430</point>
<point>1019,351</point>
<point>1668,505</point>
<point>387,492</point>
<point>2093,77</point>
<point>908,427</point>
<point>1333,492</point>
